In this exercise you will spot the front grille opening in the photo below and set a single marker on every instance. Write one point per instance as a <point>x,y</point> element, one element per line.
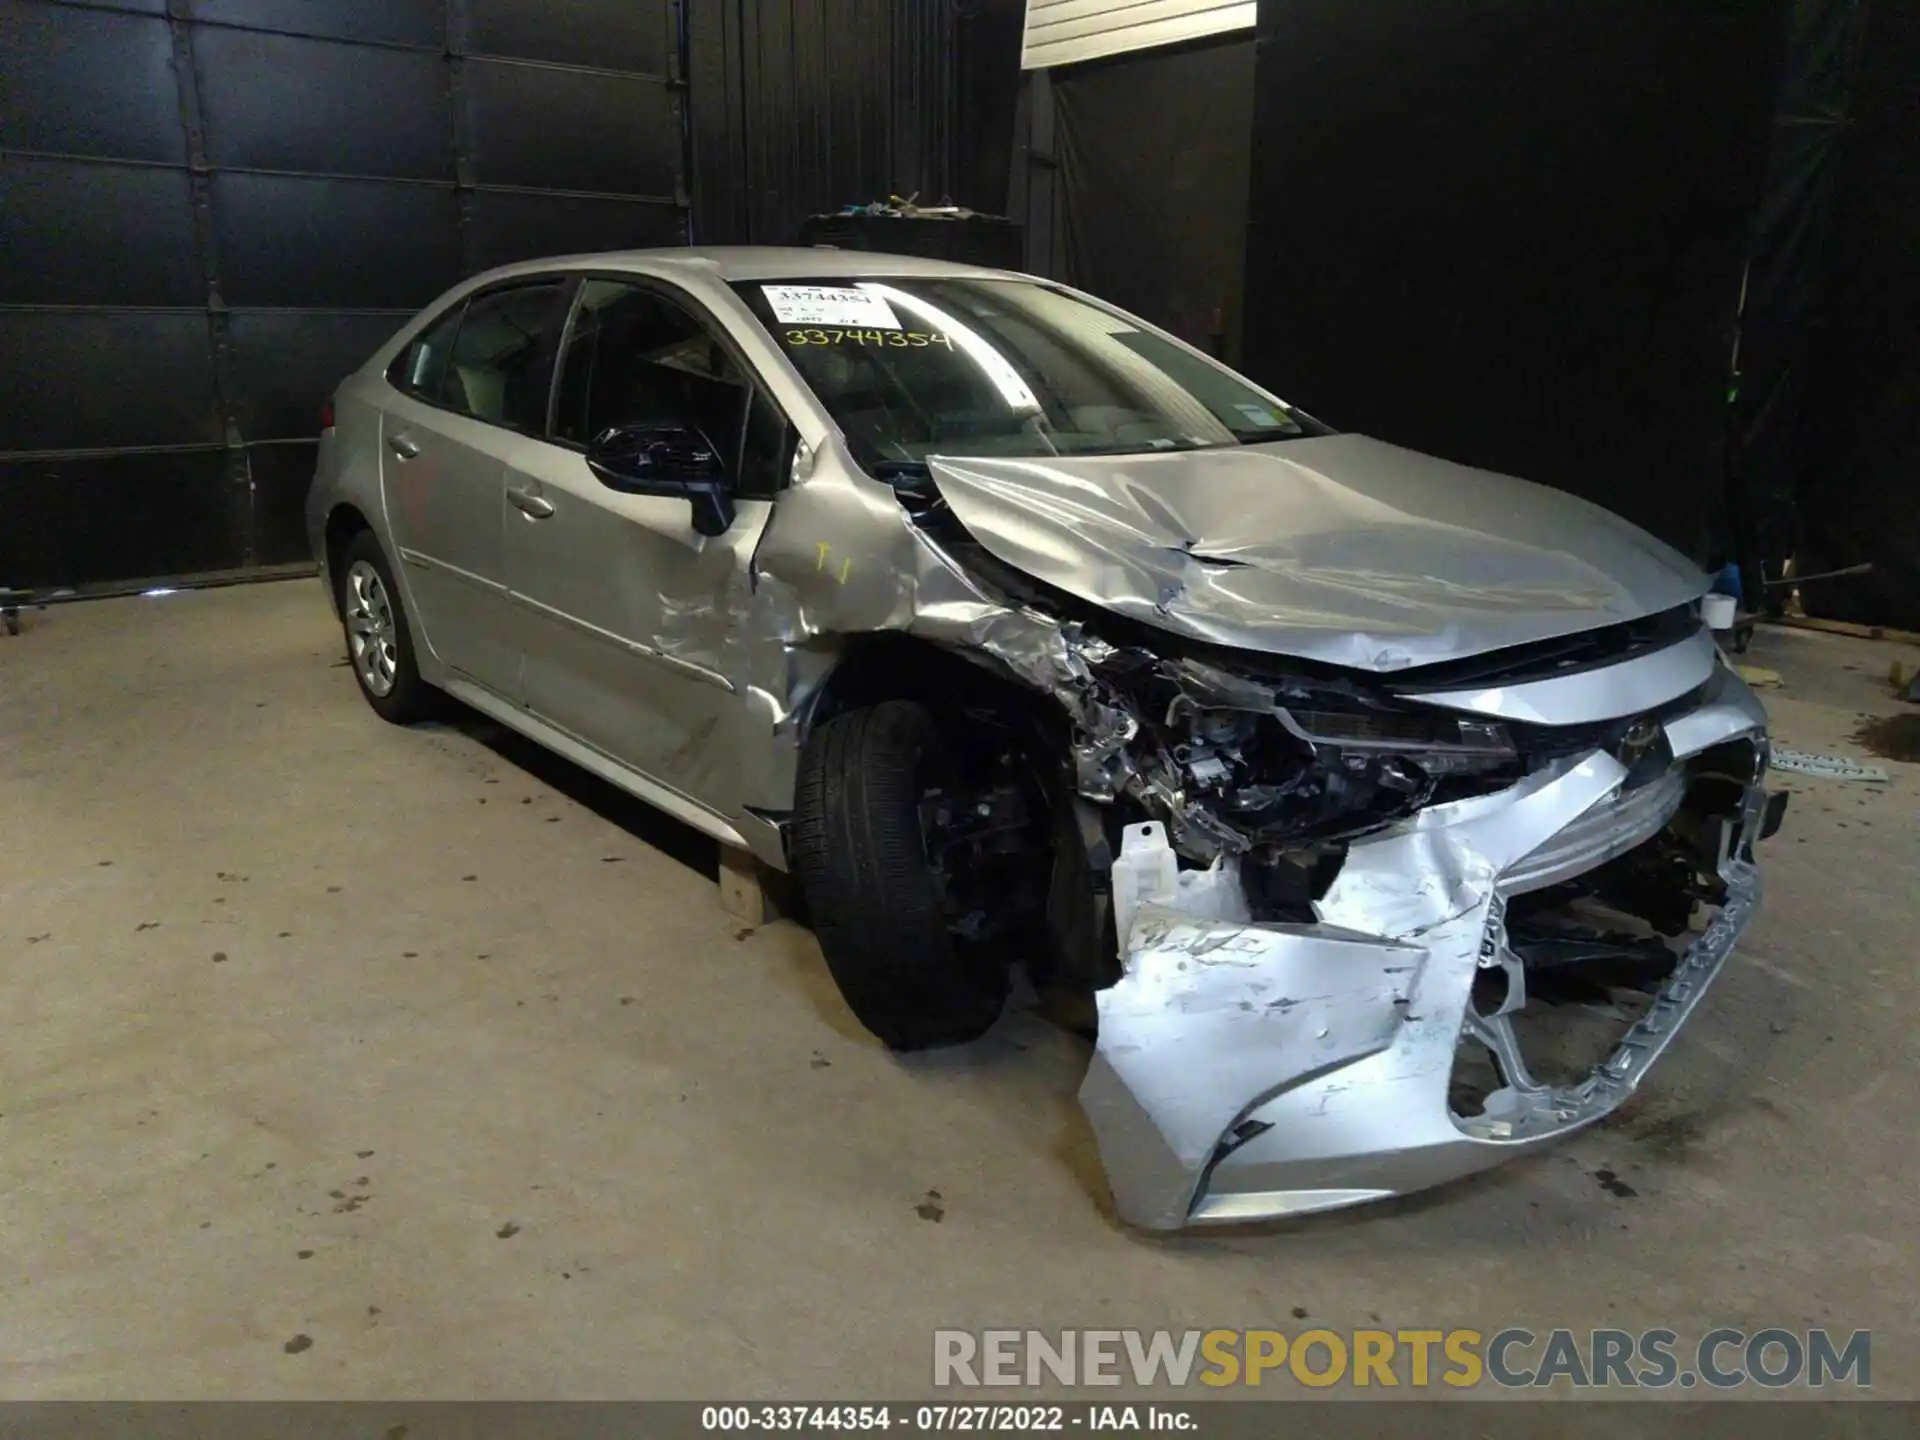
<point>1539,744</point>
<point>1590,954</point>
<point>1476,1078</point>
<point>1576,1012</point>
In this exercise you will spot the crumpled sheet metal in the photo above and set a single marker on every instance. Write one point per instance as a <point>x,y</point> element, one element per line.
<point>1339,548</point>
<point>1349,1102</point>
<point>1382,1127</point>
<point>1324,1050</point>
<point>841,558</point>
<point>1643,683</point>
<point>1205,1005</point>
<point>1444,861</point>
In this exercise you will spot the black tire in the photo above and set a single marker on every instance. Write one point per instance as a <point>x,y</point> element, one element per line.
<point>408,698</point>
<point>873,897</point>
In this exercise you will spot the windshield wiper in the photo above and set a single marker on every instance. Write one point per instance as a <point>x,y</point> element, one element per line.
<point>911,479</point>
<point>1165,445</point>
<point>895,469</point>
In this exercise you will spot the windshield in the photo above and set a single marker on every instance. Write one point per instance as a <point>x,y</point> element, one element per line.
<point>911,367</point>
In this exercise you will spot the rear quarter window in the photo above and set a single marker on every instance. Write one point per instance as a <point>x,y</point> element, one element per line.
<point>420,369</point>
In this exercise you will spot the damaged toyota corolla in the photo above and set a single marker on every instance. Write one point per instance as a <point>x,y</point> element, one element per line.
<point>1027,634</point>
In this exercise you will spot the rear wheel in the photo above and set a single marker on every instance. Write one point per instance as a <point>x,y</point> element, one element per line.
<point>379,642</point>
<point>882,847</point>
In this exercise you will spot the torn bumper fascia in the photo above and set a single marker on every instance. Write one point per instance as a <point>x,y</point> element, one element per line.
<point>1250,1071</point>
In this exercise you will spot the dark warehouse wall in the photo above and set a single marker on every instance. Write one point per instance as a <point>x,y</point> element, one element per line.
<point>987,81</point>
<point>212,210</point>
<point>1788,251</point>
<point>1512,233</point>
<point>1856,470</point>
<point>803,106</point>
<point>1159,227</point>
<point>1505,231</point>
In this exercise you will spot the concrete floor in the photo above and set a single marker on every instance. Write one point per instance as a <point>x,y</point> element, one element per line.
<point>427,1048</point>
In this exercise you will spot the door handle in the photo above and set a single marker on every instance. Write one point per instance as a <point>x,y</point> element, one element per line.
<point>405,446</point>
<point>534,507</point>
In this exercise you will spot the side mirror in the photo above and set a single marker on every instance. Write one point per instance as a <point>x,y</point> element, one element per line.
<point>656,459</point>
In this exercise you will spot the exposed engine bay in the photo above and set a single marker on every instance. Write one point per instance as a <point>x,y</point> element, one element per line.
<point>1244,766</point>
<point>1281,764</point>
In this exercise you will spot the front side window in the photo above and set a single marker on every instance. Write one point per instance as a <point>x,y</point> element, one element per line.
<point>911,366</point>
<point>634,356</point>
<point>501,364</point>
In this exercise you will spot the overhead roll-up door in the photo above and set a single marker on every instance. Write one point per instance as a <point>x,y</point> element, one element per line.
<point>1062,32</point>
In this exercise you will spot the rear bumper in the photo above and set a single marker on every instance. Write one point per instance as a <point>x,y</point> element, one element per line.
<point>1251,1071</point>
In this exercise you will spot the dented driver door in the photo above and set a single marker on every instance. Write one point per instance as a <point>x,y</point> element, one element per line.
<point>623,610</point>
<point>628,615</point>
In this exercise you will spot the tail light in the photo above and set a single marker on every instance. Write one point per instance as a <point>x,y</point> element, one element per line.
<point>326,416</point>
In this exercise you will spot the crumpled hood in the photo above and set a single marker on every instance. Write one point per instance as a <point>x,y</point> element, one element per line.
<point>1338,548</point>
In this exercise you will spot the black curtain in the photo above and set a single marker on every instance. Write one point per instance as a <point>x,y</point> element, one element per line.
<point>1152,184</point>
<point>1857,456</point>
<point>802,106</point>
<point>1513,233</point>
<point>1790,246</point>
<point>987,80</point>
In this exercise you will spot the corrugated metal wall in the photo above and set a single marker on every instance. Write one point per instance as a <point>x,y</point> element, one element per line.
<point>1065,32</point>
<point>210,210</point>
<point>802,106</point>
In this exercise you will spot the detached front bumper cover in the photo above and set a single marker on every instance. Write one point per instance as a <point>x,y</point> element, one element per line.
<point>1246,1071</point>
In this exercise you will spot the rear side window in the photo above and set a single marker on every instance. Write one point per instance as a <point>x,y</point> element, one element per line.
<point>501,366</point>
<point>420,368</point>
<point>490,357</point>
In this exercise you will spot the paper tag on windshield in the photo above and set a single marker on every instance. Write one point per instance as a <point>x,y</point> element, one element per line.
<point>829,305</point>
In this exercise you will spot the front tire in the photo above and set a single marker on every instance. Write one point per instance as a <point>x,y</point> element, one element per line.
<point>379,639</point>
<point>872,893</point>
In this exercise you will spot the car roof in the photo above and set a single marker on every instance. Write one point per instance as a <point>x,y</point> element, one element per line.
<point>751,262</point>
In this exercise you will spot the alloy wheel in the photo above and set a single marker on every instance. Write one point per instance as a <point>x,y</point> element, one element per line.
<point>371,631</point>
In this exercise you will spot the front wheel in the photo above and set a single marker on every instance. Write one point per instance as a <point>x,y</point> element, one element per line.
<point>881,908</point>
<point>379,641</point>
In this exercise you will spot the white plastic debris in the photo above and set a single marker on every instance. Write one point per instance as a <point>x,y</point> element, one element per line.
<point>1828,767</point>
<point>1213,893</point>
<point>1147,872</point>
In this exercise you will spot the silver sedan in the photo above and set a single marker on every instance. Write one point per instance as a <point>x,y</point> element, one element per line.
<point>1027,634</point>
